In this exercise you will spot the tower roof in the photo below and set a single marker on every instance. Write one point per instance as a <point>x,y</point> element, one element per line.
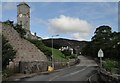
<point>23,3</point>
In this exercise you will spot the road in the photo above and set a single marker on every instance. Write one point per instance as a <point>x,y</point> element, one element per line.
<point>80,72</point>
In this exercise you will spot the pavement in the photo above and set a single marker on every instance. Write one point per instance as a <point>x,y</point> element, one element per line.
<point>21,76</point>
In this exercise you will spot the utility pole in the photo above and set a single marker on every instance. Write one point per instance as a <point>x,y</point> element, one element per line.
<point>52,51</point>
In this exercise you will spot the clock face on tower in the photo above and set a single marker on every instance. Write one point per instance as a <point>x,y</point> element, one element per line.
<point>20,15</point>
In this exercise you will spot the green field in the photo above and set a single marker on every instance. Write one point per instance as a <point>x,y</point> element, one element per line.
<point>58,55</point>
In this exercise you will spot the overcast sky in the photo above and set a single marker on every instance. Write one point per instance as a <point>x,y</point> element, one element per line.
<point>72,20</point>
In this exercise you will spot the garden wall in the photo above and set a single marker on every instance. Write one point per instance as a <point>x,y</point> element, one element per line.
<point>108,77</point>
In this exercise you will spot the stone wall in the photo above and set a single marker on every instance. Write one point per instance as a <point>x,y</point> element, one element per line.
<point>32,67</point>
<point>26,51</point>
<point>108,77</point>
<point>41,66</point>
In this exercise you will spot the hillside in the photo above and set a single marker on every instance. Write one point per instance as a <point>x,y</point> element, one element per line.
<point>57,43</point>
<point>47,50</point>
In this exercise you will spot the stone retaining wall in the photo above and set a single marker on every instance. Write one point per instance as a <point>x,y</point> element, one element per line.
<point>26,51</point>
<point>42,66</point>
<point>32,67</point>
<point>108,77</point>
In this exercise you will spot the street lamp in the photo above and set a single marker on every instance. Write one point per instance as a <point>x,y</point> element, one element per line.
<point>52,50</point>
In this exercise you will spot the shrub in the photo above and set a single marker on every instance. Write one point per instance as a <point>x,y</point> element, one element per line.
<point>8,53</point>
<point>67,53</point>
<point>110,64</point>
<point>7,72</point>
<point>73,56</point>
<point>20,30</point>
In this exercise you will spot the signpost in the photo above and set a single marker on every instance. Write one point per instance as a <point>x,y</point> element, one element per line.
<point>100,54</point>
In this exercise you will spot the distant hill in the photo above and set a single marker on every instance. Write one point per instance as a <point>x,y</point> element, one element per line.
<point>58,43</point>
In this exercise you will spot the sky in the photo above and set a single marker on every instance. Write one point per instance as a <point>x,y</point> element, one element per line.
<point>71,20</point>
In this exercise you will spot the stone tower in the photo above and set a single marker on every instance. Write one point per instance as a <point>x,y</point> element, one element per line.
<point>23,16</point>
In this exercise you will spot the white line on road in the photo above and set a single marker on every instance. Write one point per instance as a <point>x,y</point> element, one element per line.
<point>69,74</point>
<point>75,72</point>
<point>53,78</point>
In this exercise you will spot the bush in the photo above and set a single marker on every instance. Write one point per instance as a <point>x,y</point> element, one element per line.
<point>110,64</point>
<point>67,53</point>
<point>8,22</point>
<point>119,65</point>
<point>73,56</point>
<point>20,30</point>
<point>7,72</point>
<point>8,53</point>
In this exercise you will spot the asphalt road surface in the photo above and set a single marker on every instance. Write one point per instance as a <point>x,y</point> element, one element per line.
<point>80,72</point>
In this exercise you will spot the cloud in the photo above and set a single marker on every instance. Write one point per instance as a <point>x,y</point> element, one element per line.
<point>76,28</point>
<point>66,24</point>
<point>9,6</point>
<point>0,11</point>
<point>32,33</point>
<point>45,37</point>
<point>79,36</point>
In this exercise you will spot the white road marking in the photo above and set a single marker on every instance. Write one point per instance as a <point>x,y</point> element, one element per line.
<point>69,74</point>
<point>53,78</point>
<point>75,72</point>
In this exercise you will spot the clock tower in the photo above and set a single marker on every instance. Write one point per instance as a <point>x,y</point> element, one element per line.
<point>23,16</point>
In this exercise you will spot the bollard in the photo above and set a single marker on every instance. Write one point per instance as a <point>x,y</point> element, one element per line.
<point>50,68</point>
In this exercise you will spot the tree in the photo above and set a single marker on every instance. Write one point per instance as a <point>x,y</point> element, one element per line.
<point>102,34</point>
<point>8,22</point>
<point>67,53</point>
<point>101,39</point>
<point>20,30</point>
<point>7,52</point>
<point>105,39</point>
<point>115,44</point>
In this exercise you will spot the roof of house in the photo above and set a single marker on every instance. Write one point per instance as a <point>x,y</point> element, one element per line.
<point>23,3</point>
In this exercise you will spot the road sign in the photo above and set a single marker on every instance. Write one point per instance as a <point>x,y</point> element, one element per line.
<point>100,53</point>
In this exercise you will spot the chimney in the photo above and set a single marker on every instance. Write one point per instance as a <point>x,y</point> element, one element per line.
<point>35,34</point>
